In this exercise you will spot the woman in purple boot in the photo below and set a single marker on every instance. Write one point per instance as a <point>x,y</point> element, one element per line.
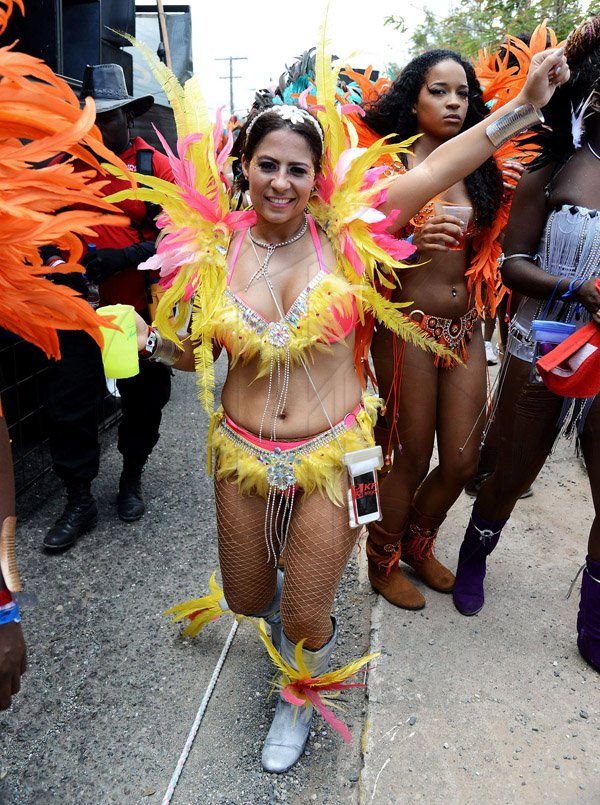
<point>552,257</point>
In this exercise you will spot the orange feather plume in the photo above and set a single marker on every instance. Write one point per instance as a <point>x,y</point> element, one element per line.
<point>40,118</point>
<point>7,11</point>
<point>369,89</point>
<point>500,77</point>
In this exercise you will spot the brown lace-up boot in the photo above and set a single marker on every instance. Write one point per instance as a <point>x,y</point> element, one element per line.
<point>417,551</point>
<point>383,553</point>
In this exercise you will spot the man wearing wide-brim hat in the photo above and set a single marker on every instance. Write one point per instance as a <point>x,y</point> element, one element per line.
<point>76,382</point>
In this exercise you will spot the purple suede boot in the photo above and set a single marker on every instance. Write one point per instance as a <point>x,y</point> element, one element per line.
<point>481,537</point>
<point>588,619</point>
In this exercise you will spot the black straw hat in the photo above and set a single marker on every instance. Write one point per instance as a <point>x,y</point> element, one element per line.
<point>105,83</point>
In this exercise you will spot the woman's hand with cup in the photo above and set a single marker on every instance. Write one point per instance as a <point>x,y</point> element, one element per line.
<point>443,231</point>
<point>141,331</point>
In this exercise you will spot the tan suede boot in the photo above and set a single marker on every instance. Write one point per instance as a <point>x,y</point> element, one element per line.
<point>417,551</point>
<point>383,553</point>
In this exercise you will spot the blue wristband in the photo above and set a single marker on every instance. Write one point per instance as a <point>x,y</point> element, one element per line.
<point>412,258</point>
<point>574,286</point>
<point>10,614</point>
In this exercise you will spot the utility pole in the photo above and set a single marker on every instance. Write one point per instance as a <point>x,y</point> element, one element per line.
<point>231,76</point>
<point>164,36</point>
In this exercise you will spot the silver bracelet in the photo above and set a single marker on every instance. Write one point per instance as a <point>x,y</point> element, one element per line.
<point>166,351</point>
<point>513,123</point>
<point>506,257</point>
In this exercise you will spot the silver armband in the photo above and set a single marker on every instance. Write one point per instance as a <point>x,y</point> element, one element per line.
<point>504,258</point>
<point>166,351</point>
<point>512,123</point>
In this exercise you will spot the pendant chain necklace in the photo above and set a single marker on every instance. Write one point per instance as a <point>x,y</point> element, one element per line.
<point>261,271</point>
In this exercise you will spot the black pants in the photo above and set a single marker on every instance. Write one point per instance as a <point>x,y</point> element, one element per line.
<point>73,395</point>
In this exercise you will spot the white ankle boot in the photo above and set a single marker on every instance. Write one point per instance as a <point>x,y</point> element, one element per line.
<point>289,731</point>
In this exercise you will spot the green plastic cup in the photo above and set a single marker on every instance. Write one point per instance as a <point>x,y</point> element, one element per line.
<point>120,352</point>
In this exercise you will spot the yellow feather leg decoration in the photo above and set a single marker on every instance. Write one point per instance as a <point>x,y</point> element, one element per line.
<point>299,688</point>
<point>200,611</point>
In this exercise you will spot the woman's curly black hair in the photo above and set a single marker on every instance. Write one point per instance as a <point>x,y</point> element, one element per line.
<point>392,113</point>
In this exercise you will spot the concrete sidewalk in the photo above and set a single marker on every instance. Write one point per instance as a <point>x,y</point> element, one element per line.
<point>499,707</point>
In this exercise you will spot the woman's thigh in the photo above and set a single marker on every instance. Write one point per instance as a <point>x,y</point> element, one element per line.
<point>408,382</point>
<point>247,569</point>
<point>461,412</point>
<point>526,418</point>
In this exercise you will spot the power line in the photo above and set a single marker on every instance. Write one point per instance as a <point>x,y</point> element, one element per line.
<point>231,76</point>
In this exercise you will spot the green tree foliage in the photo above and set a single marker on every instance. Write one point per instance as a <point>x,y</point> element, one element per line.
<point>473,24</point>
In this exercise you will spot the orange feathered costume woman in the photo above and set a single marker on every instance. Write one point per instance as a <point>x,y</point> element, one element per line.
<point>500,83</point>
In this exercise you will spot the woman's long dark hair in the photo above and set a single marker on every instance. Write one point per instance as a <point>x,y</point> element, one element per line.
<point>392,113</point>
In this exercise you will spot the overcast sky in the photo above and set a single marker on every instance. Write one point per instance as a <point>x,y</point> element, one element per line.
<point>269,37</point>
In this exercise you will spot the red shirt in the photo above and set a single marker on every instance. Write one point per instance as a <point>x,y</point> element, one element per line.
<point>130,286</point>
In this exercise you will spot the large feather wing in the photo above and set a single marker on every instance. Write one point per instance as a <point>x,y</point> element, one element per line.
<point>39,117</point>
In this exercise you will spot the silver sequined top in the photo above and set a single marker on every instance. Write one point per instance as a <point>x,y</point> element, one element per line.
<point>569,247</point>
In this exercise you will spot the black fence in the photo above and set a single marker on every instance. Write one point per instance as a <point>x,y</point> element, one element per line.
<point>22,370</point>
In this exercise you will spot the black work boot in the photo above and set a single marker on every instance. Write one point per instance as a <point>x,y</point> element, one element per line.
<point>80,515</point>
<point>130,504</point>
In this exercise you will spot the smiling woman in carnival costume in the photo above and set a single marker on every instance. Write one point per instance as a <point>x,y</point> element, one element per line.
<point>552,257</point>
<point>281,287</point>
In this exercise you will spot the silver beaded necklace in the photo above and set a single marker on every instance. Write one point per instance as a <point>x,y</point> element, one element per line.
<point>261,271</point>
<point>589,145</point>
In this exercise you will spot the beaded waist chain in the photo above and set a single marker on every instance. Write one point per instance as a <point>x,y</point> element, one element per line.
<point>280,462</point>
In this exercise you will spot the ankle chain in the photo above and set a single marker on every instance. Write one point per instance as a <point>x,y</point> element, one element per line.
<point>486,534</point>
<point>593,578</point>
<point>395,551</point>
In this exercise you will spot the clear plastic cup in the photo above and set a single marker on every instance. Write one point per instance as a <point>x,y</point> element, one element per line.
<point>463,213</point>
<point>120,351</point>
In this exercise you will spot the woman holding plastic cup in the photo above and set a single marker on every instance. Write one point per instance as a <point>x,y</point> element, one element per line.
<point>552,257</point>
<point>437,96</point>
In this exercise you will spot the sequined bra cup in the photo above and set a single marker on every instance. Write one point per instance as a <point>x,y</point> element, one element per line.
<point>323,313</point>
<point>569,247</point>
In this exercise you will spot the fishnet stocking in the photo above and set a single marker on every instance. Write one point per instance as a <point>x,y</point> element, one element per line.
<point>249,580</point>
<point>318,547</point>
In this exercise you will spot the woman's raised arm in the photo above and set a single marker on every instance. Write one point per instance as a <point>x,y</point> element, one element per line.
<point>458,157</point>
